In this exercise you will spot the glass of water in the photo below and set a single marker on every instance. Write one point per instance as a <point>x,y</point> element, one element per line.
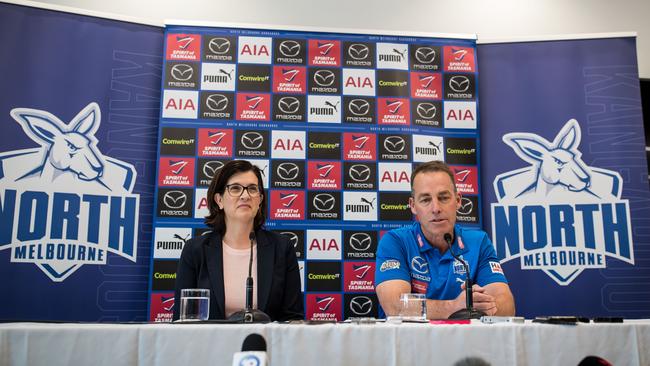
<point>195,304</point>
<point>413,307</point>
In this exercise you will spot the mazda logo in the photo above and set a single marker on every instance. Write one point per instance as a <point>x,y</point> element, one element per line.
<point>219,46</point>
<point>211,168</point>
<point>420,265</point>
<point>289,105</point>
<point>359,173</point>
<point>252,140</point>
<point>459,83</point>
<point>324,77</point>
<point>289,48</point>
<point>361,305</point>
<point>425,55</point>
<point>324,202</point>
<point>216,102</point>
<point>394,144</point>
<point>360,241</point>
<point>359,107</point>
<point>182,72</point>
<point>358,51</point>
<point>426,110</point>
<point>466,206</point>
<point>293,238</point>
<point>288,171</point>
<point>175,199</point>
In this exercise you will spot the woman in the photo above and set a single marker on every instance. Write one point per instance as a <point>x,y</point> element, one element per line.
<point>219,260</point>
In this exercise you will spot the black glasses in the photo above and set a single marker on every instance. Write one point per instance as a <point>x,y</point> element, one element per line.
<point>237,190</point>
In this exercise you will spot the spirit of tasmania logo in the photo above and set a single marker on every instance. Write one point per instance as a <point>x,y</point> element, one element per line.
<point>559,215</point>
<point>64,204</point>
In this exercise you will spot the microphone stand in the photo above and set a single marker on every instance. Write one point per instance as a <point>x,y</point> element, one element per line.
<point>250,315</point>
<point>469,312</point>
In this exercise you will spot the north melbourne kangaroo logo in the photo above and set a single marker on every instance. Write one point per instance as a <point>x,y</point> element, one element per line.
<point>558,214</point>
<point>64,204</point>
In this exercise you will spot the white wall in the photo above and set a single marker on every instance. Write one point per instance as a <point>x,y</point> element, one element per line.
<point>489,19</point>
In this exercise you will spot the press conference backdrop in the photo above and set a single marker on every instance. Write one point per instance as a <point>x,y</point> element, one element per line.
<point>335,121</point>
<point>564,175</point>
<point>79,110</point>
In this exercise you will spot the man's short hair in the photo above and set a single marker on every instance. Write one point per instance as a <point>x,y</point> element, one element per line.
<point>434,166</point>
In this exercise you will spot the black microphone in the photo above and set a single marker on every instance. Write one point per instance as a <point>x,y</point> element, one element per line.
<point>249,280</point>
<point>253,351</point>
<point>254,342</point>
<point>469,312</point>
<point>250,315</point>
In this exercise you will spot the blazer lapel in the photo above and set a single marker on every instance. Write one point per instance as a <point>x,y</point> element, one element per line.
<point>265,256</point>
<point>214,259</point>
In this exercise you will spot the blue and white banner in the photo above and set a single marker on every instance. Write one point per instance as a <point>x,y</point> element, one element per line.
<point>79,109</point>
<point>564,175</point>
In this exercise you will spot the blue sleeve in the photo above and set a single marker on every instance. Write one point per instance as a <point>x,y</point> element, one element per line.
<point>392,262</point>
<point>489,268</point>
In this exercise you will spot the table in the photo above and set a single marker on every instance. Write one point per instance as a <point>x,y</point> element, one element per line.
<point>324,344</point>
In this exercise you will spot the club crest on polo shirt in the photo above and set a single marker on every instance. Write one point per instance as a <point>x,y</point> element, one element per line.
<point>389,264</point>
<point>64,203</point>
<point>558,214</point>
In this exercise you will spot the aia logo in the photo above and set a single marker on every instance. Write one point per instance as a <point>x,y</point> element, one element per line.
<point>358,82</point>
<point>395,176</point>
<point>180,104</point>
<point>324,53</point>
<point>460,115</point>
<point>288,144</point>
<point>555,191</point>
<point>324,244</point>
<point>458,58</point>
<point>183,47</point>
<point>255,50</point>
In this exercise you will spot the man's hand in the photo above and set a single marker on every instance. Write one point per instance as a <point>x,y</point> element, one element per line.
<point>482,301</point>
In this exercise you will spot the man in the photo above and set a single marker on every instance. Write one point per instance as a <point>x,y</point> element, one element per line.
<point>417,259</point>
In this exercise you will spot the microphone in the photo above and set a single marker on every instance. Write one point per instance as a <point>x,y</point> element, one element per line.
<point>250,315</point>
<point>253,352</point>
<point>469,312</point>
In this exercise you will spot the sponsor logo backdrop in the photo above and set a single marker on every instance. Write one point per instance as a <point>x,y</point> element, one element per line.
<point>566,175</point>
<point>336,122</point>
<point>79,115</point>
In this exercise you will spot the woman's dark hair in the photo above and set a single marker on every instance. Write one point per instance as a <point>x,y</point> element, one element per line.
<point>216,218</point>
